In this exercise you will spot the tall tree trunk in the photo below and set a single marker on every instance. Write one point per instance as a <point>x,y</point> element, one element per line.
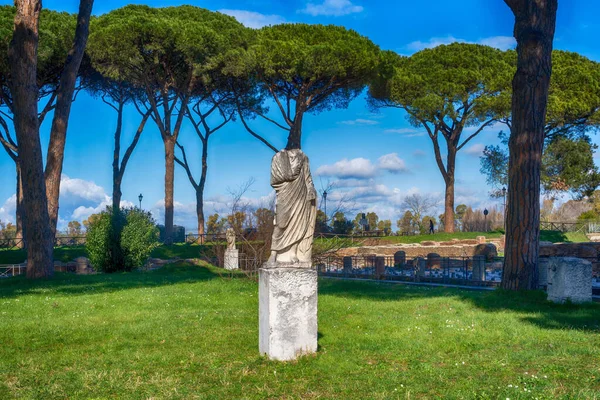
<point>169,183</point>
<point>23,64</point>
<point>534,30</point>
<point>20,235</point>
<point>200,190</point>
<point>295,135</point>
<point>449,194</point>
<point>64,98</point>
<point>116,194</point>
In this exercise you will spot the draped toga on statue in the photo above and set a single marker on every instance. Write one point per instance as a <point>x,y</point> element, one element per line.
<point>295,210</point>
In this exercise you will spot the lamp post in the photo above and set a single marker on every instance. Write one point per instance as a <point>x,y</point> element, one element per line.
<point>485,214</point>
<point>325,203</point>
<point>140,197</point>
<point>504,207</point>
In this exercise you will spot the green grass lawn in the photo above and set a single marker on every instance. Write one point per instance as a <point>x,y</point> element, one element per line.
<point>189,332</point>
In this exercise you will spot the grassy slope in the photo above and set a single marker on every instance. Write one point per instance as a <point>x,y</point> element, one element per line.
<point>186,332</point>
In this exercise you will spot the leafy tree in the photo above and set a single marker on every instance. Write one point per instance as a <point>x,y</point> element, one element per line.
<point>419,206</point>
<point>341,225</point>
<point>74,228</point>
<point>307,69</point>
<point>406,223</point>
<point>372,219</point>
<point>215,224</point>
<point>321,225</point>
<point>55,38</point>
<point>445,90</point>
<point>89,221</point>
<point>169,53</point>
<point>20,93</point>
<point>567,166</point>
<point>461,209</point>
<point>385,226</point>
<point>264,221</point>
<point>237,221</point>
<point>535,23</point>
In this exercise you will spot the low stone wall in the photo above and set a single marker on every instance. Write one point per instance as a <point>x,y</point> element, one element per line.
<point>455,250</point>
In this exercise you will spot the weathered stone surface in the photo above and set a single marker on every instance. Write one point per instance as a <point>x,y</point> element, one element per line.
<point>478,268</point>
<point>230,235</point>
<point>232,259</point>
<point>83,265</point>
<point>347,264</point>
<point>287,312</point>
<point>295,210</point>
<point>379,267</point>
<point>480,239</point>
<point>579,250</point>
<point>488,250</point>
<point>400,258</point>
<point>434,260</point>
<point>428,243</point>
<point>414,250</point>
<point>569,279</point>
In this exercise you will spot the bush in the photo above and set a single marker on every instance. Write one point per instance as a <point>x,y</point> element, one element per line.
<point>139,237</point>
<point>121,241</point>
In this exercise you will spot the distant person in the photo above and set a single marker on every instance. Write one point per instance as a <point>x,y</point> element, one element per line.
<point>431,227</point>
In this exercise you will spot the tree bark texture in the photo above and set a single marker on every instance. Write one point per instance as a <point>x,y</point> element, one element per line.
<point>449,194</point>
<point>23,64</point>
<point>200,190</point>
<point>116,194</point>
<point>534,30</point>
<point>20,235</point>
<point>64,98</point>
<point>169,143</point>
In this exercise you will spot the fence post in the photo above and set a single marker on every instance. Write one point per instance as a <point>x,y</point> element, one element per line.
<point>379,267</point>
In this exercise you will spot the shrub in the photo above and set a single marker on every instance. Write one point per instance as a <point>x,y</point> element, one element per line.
<point>120,241</point>
<point>139,237</point>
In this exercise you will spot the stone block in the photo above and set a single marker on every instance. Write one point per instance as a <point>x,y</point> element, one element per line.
<point>480,239</point>
<point>287,311</point>
<point>488,250</point>
<point>434,260</point>
<point>399,258</point>
<point>570,278</point>
<point>232,259</point>
<point>83,266</point>
<point>347,264</point>
<point>379,267</point>
<point>478,268</point>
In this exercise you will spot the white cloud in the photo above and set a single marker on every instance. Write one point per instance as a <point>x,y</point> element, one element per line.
<point>499,42</point>
<point>359,121</point>
<point>334,8</point>
<point>253,19</point>
<point>391,163</point>
<point>406,132</point>
<point>9,209</point>
<point>343,169</point>
<point>475,150</point>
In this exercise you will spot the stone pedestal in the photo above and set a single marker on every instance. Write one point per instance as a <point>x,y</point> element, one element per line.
<point>569,278</point>
<point>287,310</point>
<point>478,268</point>
<point>379,267</point>
<point>83,266</point>
<point>232,259</point>
<point>347,264</point>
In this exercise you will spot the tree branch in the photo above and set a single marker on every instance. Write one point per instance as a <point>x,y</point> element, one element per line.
<point>186,166</point>
<point>482,127</point>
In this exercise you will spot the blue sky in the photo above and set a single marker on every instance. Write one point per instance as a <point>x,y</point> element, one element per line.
<point>374,160</point>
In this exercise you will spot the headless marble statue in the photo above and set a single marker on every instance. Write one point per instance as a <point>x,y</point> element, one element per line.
<point>295,211</point>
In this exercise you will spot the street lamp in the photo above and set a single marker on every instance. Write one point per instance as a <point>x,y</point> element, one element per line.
<point>325,202</point>
<point>485,214</point>
<point>140,197</point>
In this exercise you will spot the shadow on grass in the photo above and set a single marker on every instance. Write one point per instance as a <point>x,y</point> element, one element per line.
<point>554,236</point>
<point>533,306</point>
<point>71,284</point>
